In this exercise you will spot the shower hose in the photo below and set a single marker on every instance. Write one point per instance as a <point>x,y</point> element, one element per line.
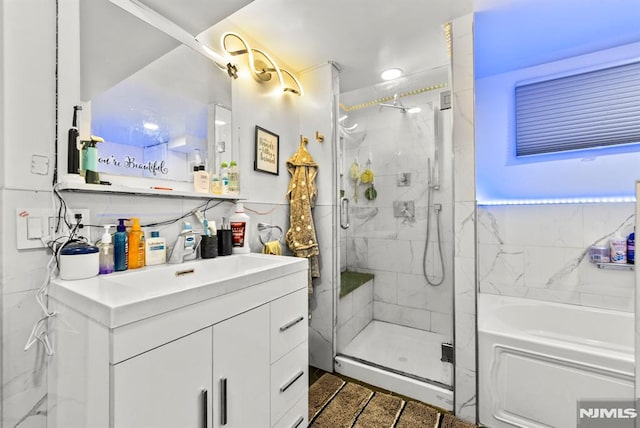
<point>426,245</point>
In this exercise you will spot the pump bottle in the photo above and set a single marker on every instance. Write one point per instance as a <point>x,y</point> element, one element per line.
<point>136,245</point>
<point>121,246</point>
<point>106,252</point>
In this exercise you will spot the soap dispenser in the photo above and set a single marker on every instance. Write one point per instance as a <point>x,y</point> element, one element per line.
<point>121,246</point>
<point>106,251</point>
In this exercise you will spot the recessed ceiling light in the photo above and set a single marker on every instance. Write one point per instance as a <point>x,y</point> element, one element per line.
<point>220,122</point>
<point>390,74</point>
<point>150,126</point>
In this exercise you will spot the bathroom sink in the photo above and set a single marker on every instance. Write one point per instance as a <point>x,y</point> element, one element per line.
<point>123,297</point>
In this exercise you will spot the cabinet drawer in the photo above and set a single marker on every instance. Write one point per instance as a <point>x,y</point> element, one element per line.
<point>289,381</point>
<point>289,323</point>
<point>296,417</point>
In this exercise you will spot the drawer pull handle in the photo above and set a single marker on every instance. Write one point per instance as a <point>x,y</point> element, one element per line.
<point>291,381</point>
<point>297,423</point>
<point>291,323</point>
<point>205,404</point>
<point>223,401</point>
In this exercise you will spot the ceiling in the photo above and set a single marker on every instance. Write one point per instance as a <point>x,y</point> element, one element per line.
<point>363,36</point>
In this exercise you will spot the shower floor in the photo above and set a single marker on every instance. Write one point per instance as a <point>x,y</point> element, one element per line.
<point>402,349</point>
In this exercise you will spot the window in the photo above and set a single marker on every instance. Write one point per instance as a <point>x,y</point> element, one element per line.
<point>594,109</point>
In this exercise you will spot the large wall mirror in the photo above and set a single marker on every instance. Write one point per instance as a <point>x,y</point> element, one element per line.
<point>160,106</point>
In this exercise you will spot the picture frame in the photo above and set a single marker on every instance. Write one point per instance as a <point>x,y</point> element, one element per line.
<point>267,151</point>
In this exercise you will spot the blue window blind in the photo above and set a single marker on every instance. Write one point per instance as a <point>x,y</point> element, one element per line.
<point>594,109</point>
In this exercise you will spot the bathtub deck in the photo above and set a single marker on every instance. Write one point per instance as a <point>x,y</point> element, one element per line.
<point>408,350</point>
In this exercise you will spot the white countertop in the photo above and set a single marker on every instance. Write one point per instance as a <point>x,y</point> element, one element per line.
<point>124,297</point>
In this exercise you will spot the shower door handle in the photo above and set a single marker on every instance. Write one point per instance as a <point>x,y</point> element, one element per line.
<point>344,213</point>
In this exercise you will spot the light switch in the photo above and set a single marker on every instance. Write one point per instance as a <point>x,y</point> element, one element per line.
<point>34,227</point>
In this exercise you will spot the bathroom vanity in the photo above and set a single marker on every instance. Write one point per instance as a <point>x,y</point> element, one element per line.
<point>211,343</point>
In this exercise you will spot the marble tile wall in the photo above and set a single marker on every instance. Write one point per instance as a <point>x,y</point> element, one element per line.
<point>465,401</point>
<point>540,252</point>
<point>392,248</point>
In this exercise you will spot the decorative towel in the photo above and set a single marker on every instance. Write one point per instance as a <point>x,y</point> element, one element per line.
<point>272,247</point>
<point>302,192</point>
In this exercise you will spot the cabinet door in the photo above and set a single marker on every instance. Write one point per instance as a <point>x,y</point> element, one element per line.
<point>241,370</point>
<point>169,386</point>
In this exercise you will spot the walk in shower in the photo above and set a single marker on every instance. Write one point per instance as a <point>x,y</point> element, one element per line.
<point>395,310</point>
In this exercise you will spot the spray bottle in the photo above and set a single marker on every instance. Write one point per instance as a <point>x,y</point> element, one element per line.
<point>106,251</point>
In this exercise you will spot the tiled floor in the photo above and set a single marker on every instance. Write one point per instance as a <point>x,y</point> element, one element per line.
<point>408,350</point>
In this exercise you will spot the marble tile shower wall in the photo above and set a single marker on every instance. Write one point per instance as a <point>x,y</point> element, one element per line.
<point>389,247</point>
<point>540,252</point>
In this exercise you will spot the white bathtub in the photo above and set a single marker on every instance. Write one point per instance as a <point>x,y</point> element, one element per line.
<point>537,359</point>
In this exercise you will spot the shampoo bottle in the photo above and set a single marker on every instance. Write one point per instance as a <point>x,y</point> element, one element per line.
<point>156,249</point>
<point>618,249</point>
<point>121,246</point>
<point>631,248</point>
<point>106,252</point>
<point>240,230</point>
<point>234,178</point>
<point>136,245</point>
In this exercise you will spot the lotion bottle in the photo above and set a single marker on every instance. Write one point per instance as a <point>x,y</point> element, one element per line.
<point>106,252</point>
<point>121,246</point>
<point>136,245</point>
<point>240,230</point>
<point>155,249</point>
<point>200,180</point>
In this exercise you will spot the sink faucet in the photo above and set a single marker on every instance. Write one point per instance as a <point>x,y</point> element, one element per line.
<point>179,253</point>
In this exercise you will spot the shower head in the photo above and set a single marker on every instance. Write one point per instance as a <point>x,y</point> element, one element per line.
<point>398,105</point>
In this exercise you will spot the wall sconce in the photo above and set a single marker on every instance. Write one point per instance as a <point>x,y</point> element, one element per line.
<point>262,65</point>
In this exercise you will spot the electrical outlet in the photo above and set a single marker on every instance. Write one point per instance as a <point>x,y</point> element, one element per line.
<point>71,219</point>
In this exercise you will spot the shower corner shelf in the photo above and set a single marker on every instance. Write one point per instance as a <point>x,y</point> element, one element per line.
<point>616,266</point>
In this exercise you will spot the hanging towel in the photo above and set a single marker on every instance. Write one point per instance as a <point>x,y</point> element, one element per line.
<point>273,248</point>
<point>302,193</point>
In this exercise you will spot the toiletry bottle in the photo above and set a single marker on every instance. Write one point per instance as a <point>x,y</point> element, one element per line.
<point>136,245</point>
<point>121,246</point>
<point>224,178</point>
<point>631,248</point>
<point>90,160</point>
<point>156,249</point>
<point>216,187</point>
<point>106,252</point>
<point>234,178</point>
<point>201,180</point>
<point>189,242</point>
<point>618,249</point>
<point>240,230</point>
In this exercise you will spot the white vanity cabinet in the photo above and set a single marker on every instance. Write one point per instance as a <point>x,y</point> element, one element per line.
<point>235,360</point>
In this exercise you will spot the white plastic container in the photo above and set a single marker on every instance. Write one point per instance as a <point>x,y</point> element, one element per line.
<point>618,253</point>
<point>240,226</point>
<point>79,261</point>
<point>156,249</point>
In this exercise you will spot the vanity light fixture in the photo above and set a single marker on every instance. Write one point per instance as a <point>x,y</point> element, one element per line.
<point>262,65</point>
<point>390,74</point>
